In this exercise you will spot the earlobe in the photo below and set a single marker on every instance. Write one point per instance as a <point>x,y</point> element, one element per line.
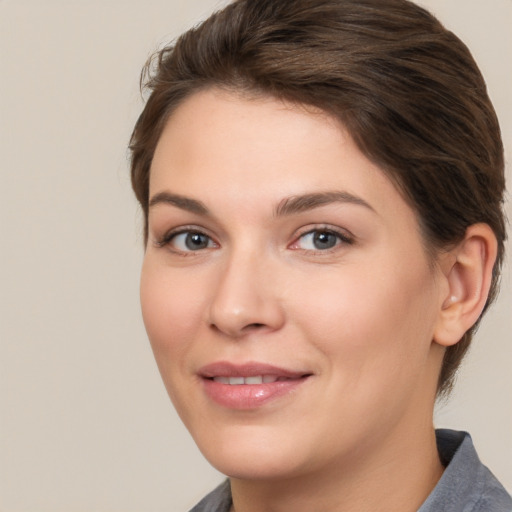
<point>468,274</point>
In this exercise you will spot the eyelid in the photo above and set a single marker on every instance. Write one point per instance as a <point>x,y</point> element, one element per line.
<point>344,236</point>
<point>166,239</point>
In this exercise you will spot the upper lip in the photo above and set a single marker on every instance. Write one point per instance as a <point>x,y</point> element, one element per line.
<point>227,369</point>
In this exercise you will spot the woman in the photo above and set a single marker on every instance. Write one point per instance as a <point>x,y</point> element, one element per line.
<point>322,184</point>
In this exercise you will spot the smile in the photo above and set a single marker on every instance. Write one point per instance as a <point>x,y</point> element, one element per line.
<point>256,379</point>
<point>249,386</point>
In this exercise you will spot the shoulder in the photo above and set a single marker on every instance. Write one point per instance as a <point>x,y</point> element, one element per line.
<point>466,485</point>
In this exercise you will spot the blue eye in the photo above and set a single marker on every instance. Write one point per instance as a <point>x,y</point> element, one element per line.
<point>187,241</point>
<point>321,240</point>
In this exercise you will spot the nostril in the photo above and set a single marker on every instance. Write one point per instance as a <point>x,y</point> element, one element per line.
<point>254,326</point>
<point>244,330</point>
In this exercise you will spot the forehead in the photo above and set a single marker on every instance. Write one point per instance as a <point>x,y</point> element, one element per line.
<point>215,118</point>
<point>215,131</point>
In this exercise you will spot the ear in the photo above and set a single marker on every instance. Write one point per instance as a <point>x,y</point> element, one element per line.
<point>467,269</point>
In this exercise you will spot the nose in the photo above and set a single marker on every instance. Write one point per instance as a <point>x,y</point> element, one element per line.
<point>246,298</point>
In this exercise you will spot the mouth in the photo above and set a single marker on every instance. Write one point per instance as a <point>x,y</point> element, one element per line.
<point>251,380</point>
<point>249,386</point>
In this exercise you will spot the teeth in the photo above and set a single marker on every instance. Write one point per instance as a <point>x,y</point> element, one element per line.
<point>253,380</point>
<point>256,379</point>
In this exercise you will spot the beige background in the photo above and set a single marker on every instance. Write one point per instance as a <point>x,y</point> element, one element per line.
<point>85,423</point>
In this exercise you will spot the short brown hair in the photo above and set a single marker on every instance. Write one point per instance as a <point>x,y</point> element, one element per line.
<point>407,90</point>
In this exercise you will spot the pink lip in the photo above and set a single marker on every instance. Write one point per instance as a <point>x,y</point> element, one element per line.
<point>249,396</point>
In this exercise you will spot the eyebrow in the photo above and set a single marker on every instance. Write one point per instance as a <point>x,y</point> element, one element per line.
<point>185,203</point>
<point>298,204</point>
<point>288,206</point>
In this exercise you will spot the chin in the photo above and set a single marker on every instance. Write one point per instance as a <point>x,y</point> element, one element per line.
<point>264,469</point>
<point>253,456</point>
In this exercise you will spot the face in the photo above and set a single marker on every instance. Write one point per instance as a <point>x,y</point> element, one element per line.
<point>285,290</point>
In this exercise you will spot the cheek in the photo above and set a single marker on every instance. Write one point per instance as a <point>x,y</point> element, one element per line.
<point>374,333</point>
<point>170,310</point>
<point>370,310</point>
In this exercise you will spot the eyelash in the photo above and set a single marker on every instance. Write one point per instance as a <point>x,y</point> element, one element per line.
<point>167,239</point>
<point>343,238</point>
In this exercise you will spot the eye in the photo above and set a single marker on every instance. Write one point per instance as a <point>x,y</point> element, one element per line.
<point>320,240</point>
<point>187,241</point>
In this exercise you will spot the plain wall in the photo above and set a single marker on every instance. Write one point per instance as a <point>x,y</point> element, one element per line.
<point>85,424</point>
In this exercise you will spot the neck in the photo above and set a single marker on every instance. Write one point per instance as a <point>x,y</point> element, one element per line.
<point>397,477</point>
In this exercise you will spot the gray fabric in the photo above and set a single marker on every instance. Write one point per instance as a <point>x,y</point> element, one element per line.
<point>466,485</point>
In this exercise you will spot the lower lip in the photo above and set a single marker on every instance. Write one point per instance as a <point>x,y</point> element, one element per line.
<point>249,396</point>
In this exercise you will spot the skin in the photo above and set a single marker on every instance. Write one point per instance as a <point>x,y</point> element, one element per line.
<point>360,316</point>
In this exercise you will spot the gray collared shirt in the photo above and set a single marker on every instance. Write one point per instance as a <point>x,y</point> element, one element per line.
<point>466,485</point>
